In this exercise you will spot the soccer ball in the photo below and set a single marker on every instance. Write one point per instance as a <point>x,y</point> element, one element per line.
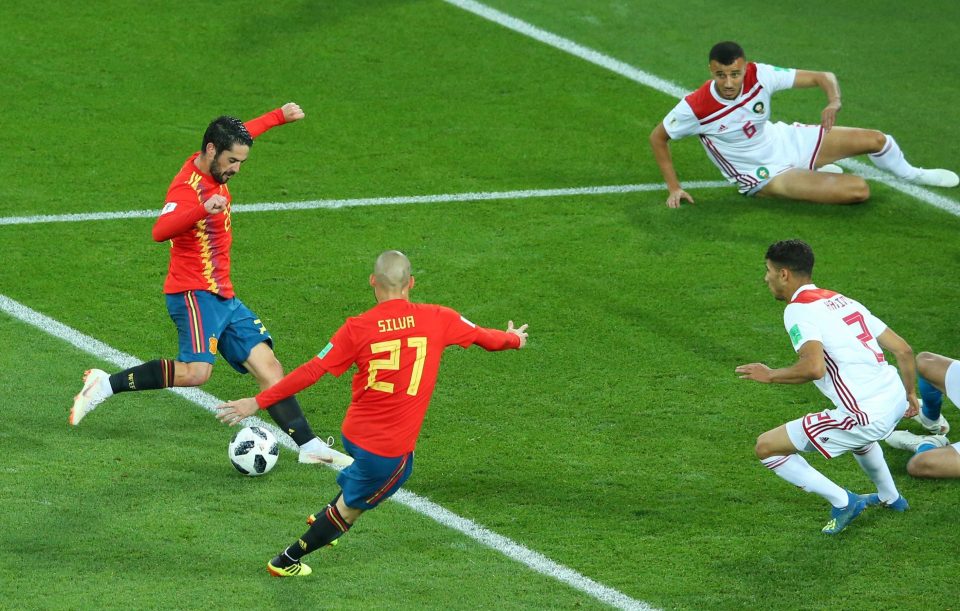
<point>253,450</point>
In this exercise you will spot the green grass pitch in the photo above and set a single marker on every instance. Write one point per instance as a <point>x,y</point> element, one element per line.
<point>618,444</point>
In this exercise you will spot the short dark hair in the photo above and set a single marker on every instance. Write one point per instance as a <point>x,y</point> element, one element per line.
<point>224,132</point>
<point>725,53</point>
<point>795,255</point>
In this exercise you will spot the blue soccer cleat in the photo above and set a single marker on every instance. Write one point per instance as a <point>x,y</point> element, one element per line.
<point>840,518</point>
<point>873,500</point>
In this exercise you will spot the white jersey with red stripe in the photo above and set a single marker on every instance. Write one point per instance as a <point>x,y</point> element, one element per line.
<point>859,380</point>
<point>737,134</point>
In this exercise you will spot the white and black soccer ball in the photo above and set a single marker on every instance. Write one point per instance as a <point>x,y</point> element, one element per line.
<point>253,450</point>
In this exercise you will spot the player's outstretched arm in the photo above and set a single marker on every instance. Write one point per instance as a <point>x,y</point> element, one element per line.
<point>287,113</point>
<point>492,340</point>
<point>811,365</point>
<point>659,143</point>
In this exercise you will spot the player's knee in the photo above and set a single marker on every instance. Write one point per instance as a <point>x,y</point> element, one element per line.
<point>195,375</point>
<point>921,465</point>
<point>878,140</point>
<point>762,449</point>
<point>271,373</point>
<point>859,192</point>
<point>925,361</point>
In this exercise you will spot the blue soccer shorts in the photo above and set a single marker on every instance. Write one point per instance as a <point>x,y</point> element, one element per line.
<point>209,324</point>
<point>371,478</point>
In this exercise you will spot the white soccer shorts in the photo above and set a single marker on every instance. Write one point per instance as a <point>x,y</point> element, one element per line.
<point>796,146</point>
<point>834,432</point>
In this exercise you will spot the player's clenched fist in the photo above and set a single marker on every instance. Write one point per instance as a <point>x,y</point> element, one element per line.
<point>216,204</point>
<point>292,112</point>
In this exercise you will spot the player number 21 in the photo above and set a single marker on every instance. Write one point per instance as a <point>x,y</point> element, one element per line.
<point>392,363</point>
<point>857,319</point>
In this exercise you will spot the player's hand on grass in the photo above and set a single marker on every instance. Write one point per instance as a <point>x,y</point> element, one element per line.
<point>216,204</point>
<point>520,332</point>
<point>673,200</point>
<point>754,371</point>
<point>292,112</point>
<point>232,412</point>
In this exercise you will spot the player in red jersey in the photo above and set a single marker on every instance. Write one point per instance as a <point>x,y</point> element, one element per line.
<point>396,347</point>
<point>196,219</point>
<point>731,115</point>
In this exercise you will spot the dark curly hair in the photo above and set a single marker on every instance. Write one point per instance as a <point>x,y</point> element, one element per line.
<point>795,255</point>
<point>224,132</point>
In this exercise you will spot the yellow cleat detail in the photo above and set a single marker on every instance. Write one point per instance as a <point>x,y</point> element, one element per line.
<point>294,570</point>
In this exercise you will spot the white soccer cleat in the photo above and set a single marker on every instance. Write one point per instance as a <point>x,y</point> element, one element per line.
<point>321,453</point>
<point>934,427</point>
<point>937,178</point>
<point>96,388</point>
<point>905,440</point>
<point>830,168</point>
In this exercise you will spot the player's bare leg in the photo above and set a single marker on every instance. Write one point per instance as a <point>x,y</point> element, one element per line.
<point>884,152</point>
<point>939,463</point>
<point>933,368</point>
<point>932,384</point>
<point>775,442</point>
<point>843,142</point>
<point>191,374</point>
<point>817,187</point>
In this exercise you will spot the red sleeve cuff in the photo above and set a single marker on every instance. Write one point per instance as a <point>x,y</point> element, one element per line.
<point>264,122</point>
<point>494,339</point>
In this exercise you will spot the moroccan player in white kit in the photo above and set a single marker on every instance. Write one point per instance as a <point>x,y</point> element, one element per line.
<point>731,115</point>
<point>840,345</point>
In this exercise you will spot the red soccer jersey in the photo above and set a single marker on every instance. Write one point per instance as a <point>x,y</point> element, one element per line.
<point>200,242</point>
<point>397,347</point>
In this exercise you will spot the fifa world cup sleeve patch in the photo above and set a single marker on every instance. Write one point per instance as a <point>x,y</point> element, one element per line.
<point>325,350</point>
<point>795,335</point>
<point>168,207</point>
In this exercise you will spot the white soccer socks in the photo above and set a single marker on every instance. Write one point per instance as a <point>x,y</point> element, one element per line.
<point>871,461</point>
<point>891,159</point>
<point>798,472</point>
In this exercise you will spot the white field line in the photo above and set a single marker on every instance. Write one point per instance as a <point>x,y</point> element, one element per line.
<point>367,201</point>
<point>654,82</point>
<point>534,560</point>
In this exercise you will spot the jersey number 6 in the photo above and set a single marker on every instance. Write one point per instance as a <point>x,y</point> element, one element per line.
<point>392,363</point>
